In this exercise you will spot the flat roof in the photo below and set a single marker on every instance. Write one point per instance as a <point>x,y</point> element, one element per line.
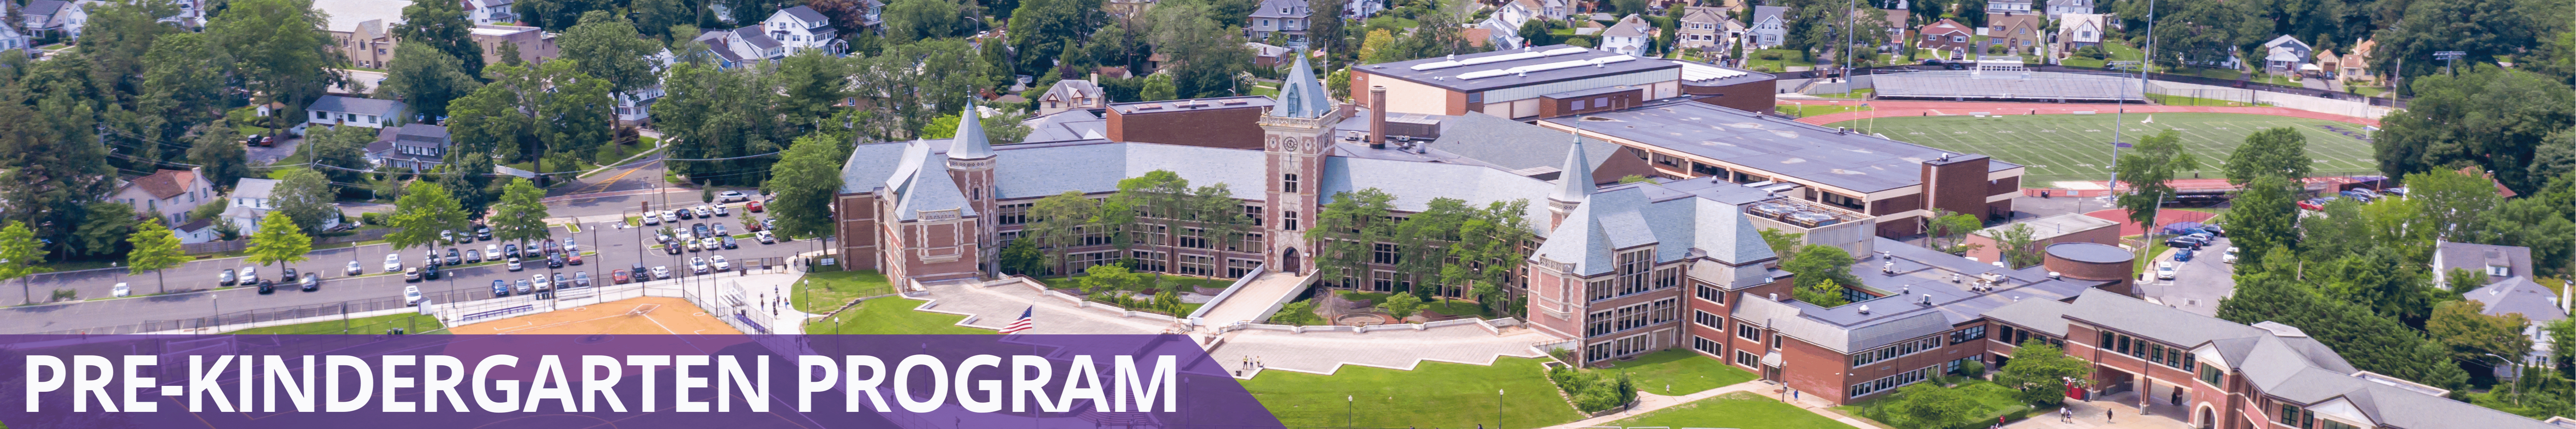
<point>1700,74</point>
<point>2053,226</point>
<point>2095,253</point>
<point>1515,67</point>
<point>1236,102</point>
<point>1853,161</point>
<point>1917,272</point>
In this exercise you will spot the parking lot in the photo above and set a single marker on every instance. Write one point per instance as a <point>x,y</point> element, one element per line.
<point>2198,284</point>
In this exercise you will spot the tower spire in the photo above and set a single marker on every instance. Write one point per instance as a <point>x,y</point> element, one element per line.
<point>1575,183</point>
<point>1301,95</point>
<point>970,142</point>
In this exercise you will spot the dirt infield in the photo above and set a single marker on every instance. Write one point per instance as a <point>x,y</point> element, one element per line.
<point>646,315</point>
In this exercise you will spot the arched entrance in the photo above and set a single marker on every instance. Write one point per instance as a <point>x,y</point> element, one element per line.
<point>1288,261</point>
<point>2206,418</point>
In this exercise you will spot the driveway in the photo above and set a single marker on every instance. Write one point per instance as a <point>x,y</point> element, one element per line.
<point>285,148</point>
<point>2198,284</point>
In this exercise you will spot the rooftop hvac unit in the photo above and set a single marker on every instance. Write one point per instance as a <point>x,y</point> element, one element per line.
<point>1811,219</point>
<point>1772,210</point>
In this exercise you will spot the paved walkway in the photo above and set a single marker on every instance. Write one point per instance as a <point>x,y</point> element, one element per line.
<point>1895,108</point>
<point>2124,415</point>
<point>1649,402</point>
<point>1247,304</point>
<point>991,307</point>
<point>1396,348</point>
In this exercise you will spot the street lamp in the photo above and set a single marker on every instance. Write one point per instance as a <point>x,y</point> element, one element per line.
<point>1350,416</point>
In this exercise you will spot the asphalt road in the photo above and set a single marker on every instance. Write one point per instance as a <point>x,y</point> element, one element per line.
<point>615,248</point>
<point>2198,284</point>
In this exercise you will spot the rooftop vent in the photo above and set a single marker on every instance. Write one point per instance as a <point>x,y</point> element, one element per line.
<point>1233,101</point>
<point>2053,275</point>
<point>1927,300</point>
<point>1864,309</point>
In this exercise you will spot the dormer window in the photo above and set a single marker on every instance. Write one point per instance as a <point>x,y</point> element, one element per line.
<point>2499,271</point>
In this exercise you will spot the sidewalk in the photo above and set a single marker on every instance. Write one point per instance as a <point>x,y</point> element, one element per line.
<point>1649,402</point>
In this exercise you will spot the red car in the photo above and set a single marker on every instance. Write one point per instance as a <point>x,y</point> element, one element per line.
<point>2318,204</point>
<point>753,206</point>
<point>620,277</point>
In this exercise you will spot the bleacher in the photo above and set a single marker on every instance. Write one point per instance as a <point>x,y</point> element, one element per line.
<point>1965,85</point>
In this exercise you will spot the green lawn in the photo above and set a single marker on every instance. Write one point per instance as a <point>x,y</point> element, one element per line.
<point>1680,372</point>
<point>1806,110</point>
<point>826,291</point>
<point>410,322</point>
<point>2068,147</point>
<point>1992,401</point>
<point>1788,58</point>
<point>1733,410</point>
<point>2119,52</point>
<point>890,316</point>
<point>1435,394</point>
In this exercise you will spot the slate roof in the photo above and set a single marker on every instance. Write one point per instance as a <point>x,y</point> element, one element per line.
<point>2477,257</point>
<point>1301,95</point>
<point>1853,161</point>
<point>760,41</point>
<point>970,142</point>
<point>1630,26</point>
<point>1768,12</point>
<point>1513,145</point>
<point>43,7</point>
<point>1415,184</point>
<point>1076,124</point>
<point>366,106</point>
<point>807,14</point>
<point>2517,294</point>
<point>254,188</point>
<point>1679,224</point>
<point>1271,9</point>
<point>1033,170</point>
<point>2042,315</point>
<point>165,183</point>
<point>1574,181</point>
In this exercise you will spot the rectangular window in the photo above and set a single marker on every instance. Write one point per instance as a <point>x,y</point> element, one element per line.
<point>1712,294</point>
<point>1198,265</point>
<point>1194,238</point>
<point>1704,319</point>
<point>1253,212</point>
<point>1747,359</point>
<point>1597,290</point>
<point>2211,375</point>
<point>1704,345</point>
<point>1251,243</point>
<point>1385,253</point>
<point>1664,311</point>
<point>1578,105</point>
<point>1973,333</point>
<point>1598,323</point>
<point>1382,281</point>
<point>1012,214</point>
<point>1288,183</point>
<point>1747,331</point>
<point>1288,220</point>
<point>1237,268</point>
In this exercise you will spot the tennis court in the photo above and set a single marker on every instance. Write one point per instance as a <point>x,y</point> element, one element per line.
<point>645,315</point>
<point>2076,147</point>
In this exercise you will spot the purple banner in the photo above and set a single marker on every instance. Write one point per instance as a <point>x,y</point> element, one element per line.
<point>619,381</point>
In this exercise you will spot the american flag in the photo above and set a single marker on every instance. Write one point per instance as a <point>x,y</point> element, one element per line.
<point>1025,323</point>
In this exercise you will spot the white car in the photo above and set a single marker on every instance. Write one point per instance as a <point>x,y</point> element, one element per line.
<point>411,295</point>
<point>514,265</point>
<point>720,262</point>
<point>670,215</point>
<point>731,196</point>
<point>765,237</point>
<point>720,211</point>
<point>393,262</point>
<point>2165,270</point>
<point>661,272</point>
<point>250,275</point>
<point>540,281</point>
<point>2230,257</point>
<point>492,251</point>
<point>121,291</point>
<point>697,265</point>
<point>651,219</point>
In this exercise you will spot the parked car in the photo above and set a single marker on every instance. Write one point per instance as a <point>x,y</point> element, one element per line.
<point>571,246</point>
<point>720,262</point>
<point>698,265</point>
<point>619,277</point>
<point>514,265</point>
<point>659,237</point>
<point>267,286</point>
<point>705,212</point>
<point>2183,255</point>
<point>311,282</point>
<point>411,274</point>
<point>355,269</point>
<point>260,140</point>
<point>500,289</point>
<point>225,279</point>
<point>525,288</point>
<point>685,214</point>
<point>250,274</point>
<point>765,237</point>
<point>752,225</point>
<point>770,224</point>
<point>455,258</point>
<point>551,248</point>
<point>581,279</point>
<point>447,236</point>
<point>720,229</point>
<point>752,206</point>
<point>411,295</point>
<point>669,216</point>
<point>120,291</point>
<point>554,261</point>
<point>393,262</point>
<point>691,244</point>
<point>572,258</point>
<point>671,248</point>
<point>429,257</point>
<point>728,242</point>
<point>2184,242</point>
<point>483,233</point>
<point>473,256</point>
<point>700,229</point>
<point>493,252</point>
<point>2318,203</point>
<point>2215,229</point>
<point>2229,257</point>
<point>731,196</point>
<point>541,282</point>
<point>561,281</point>
<point>429,272</point>
<point>287,275</point>
<point>709,243</point>
<point>661,272</point>
<point>2165,270</point>
<point>511,249</point>
<point>651,219</point>
<point>637,270</point>
<point>720,210</point>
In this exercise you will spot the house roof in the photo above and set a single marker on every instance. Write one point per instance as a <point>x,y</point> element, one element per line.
<point>2072,21</point>
<point>1897,19</point>
<point>2472,256</point>
<point>195,225</point>
<point>1514,67</point>
<point>2285,40</point>
<point>254,188</point>
<point>759,40</point>
<point>970,142</point>
<point>363,106</point>
<point>1512,145</point>
<point>165,183</point>
<point>1069,125</point>
<point>1828,156</point>
<point>1764,13</point>
<point>421,133</point>
<point>43,7</point>
<point>347,16</point>
<point>2518,294</point>
<point>1701,14</point>
<point>1629,26</point>
<point>2042,315</point>
<point>807,14</point>
<point>2071,3</point>
<point>1944,26</point>
<point>1280,9</point>
<point>1301,95</point>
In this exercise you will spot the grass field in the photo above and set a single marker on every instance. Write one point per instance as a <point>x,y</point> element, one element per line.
<point>2068,147</point>
<point>1435,394</point>
<point>830,289</point>
<point>410,322</point>
<point>890,316</point>
<point>1680,372</point>
<point>1733,410</point>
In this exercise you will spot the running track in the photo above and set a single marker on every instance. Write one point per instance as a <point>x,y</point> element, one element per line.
<point>1894,108</point>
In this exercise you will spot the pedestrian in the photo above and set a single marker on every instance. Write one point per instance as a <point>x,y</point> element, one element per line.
<point>2066,414</point>
<point>2106,414</point>
<point>1795,395</point>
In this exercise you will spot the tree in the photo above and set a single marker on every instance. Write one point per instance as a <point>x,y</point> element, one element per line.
<point>1488,252</point>
<point>103,232</point>
<point>1401,305</point>
<point>306,198</point>
<point>1380,47</point>
<point>655,18</point>
<point>2485,30</point>
<point>1021,257</point>
<point>2473,336</point>
<point>426,79</point>
<point>1821,264</point>
<point>803,184</point>
<point>2200,33</point>
<point>2495,118</point>
<point>2265,216</point>
<point>20,256</point>
<point>2463,280</point>
<point>1930,406</point>
<point>52,154</point>
<point>1158,88</point>
<point>2561,331</point>
<point>155,249</point>
<point>184,87</point>
<point>2039,371</point>
<point>723,114</point>
<point>911,20</point>
<point>340,152</point>
<point>1110,278</point>
<point>1041,29</point>
<point>442,27</point>
<point>278,241</point>
<point>1324,25</point>
<point>218,148</point>
<point>424,210</point>
<point>1344,231</point>
<point>814,83</point>
<point>521,214</point>
<point>2016,245</point>
<point>1825,294</point>
<point>2453,204</point>
<point>1783,243</point>
<point>1949,230</point>
<point>1422,243</point>
<point>2370,341</point>
<point>279,51</point>
<point>2146,168</point>
<point>2280,152</point>
<point>606,46</point>
<point>1205,52</point>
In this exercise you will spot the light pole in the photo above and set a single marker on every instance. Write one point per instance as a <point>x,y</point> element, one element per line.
<point>1498,407</point>
<point>1350,416</point>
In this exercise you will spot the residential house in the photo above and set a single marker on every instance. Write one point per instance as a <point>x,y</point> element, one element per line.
<point>636,107</point>
<point>1071,94</point>
<point>2284,55</point>
<point>197,231</point>
<point>2079,30</point>
<point>1362,9</point>
<point>1270,56</point>
<point>2008,6</point>
<point>1287,18</point>
<point>535,45</point>
<point>167,194</point>
<point>1770,27</point>
<point>872,12</point>
<point>410,147</point>
<point>2509,288</point>
<point>252,199</point>
<point>2356,65</point>
<point>363,29</point>
<point>1629,36</point>
<point>51,18</point>
<point>489,12</point>
<point>192,14</point>
<point>11,38</point>
<point>1946,36</point>
<point>2058,8</point>
<point>800,28</point>
<point>2019,33</point>
<point>365,112</point>
<point>1497,33</point>
<point>1900,28</point>
<point>742,47</point>
<point>1704,28</point>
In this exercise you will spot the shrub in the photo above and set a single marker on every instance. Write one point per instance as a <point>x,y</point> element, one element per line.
<point>65,294</point>
<point>1594,390</point>
<point>1973,371</point>
<point>371,218</point>
<point>1774,56</point>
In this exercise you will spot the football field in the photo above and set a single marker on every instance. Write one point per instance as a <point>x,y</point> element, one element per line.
<point>2075,147</point>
